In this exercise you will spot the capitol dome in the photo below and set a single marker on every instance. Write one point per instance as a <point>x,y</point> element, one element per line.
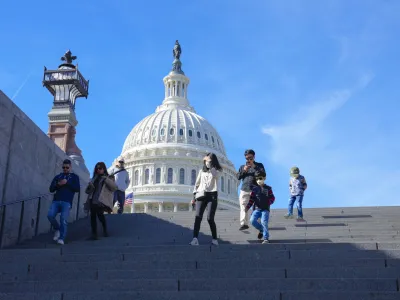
<point>163,152</point>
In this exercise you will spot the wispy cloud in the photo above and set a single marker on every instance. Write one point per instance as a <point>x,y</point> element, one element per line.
<point>336,167</point>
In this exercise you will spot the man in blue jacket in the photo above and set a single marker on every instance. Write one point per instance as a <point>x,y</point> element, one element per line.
<point>65,185</point>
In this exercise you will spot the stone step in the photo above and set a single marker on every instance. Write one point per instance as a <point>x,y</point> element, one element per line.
<point>290,272</point>
<point>231,285</point>
<point>297,284</point>
<point>214,295</point>
<point>192,264</point>
<point>186,254</point>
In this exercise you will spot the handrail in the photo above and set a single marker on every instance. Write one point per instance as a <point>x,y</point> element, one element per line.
<point>4,207</point>
<point>25,199</point>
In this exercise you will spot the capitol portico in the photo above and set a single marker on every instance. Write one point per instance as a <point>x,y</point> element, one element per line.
<point>163,152</point>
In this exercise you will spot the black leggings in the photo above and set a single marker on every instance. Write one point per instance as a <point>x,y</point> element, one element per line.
<point>210,202</point>
<point>97,211</point>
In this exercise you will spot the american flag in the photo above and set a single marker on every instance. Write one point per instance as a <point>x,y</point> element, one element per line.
<point>129,198</point>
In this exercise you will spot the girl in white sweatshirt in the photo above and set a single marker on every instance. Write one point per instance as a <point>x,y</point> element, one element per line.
<point>206,196</point>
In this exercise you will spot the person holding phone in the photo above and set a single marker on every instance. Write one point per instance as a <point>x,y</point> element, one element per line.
<point>64,186</point>
<point>246,174</point>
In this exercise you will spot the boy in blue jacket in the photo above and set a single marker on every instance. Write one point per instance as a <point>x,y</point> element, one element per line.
<point>65,185</point>
<point>261,197</point>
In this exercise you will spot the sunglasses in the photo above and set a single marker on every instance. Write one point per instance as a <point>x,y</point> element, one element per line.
<point>250,158</point>
<point>65,168</point>
<point>99,168</point>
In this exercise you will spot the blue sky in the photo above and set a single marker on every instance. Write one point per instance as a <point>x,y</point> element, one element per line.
<point>307,83</point>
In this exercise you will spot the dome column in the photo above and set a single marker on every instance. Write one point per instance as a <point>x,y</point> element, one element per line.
<point>175,207</point>
<point>190,206</point>
<point>146,207</point>
<point>161,207</point>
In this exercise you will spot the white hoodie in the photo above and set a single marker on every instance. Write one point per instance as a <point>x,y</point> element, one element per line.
<point>121,178</point>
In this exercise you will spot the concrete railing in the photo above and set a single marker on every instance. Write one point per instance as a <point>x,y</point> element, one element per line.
<point>29,160</point>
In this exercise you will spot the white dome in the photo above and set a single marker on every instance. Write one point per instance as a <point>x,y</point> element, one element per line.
<point>164,153</point>
<point>174,126</point>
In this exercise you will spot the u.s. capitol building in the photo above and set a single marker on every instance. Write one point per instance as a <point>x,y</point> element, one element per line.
<point>163,152</point>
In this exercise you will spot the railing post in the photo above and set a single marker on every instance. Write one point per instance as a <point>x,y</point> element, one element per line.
<point>21,219</point>
<point>3,217</point>
<point>37,216</point>
<point>77,206</point>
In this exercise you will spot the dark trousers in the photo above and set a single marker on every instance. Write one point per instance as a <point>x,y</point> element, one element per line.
<point>211,203</point>
<point>97,211</point>
<point>119,196</point>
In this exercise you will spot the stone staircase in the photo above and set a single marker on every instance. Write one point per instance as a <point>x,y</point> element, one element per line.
<point>338,253</point>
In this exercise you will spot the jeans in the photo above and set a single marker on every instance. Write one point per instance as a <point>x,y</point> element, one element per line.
<point>119,196</point>
<point>292,200</point>
<point>63,208</point>
<point>263,227</point>
<point>211,203</point>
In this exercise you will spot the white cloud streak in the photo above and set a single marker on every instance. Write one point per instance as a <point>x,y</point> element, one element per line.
<point>339,174</point>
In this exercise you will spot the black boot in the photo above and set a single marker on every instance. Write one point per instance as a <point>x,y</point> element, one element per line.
<point>93,236</point>
<point>105,232</point>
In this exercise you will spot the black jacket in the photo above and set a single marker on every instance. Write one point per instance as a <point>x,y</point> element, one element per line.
<point>261,197</point>
<point>248,179</point>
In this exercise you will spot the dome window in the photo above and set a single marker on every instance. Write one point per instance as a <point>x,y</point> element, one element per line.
<point>182,176</point>
<point>222,184</point>
<point>190,132</point>
<point>153,133</point>
<point>162,132</point>
<point>193,177</point>
<point>146,176</point>
<point>206,136</point>
<point>198,134</point>
<point>212,138</point>
<point>181,131</point>
<point>170,176</point>
<point>218,142</point>
<point>171,131</point>
<point>158,175</point>
<point>136,177</point>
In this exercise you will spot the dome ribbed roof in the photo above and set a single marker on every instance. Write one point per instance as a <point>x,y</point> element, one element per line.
<point>174,125</point>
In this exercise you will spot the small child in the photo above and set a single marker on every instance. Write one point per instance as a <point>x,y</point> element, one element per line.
<point>262,197</point>
<point>297,186</point>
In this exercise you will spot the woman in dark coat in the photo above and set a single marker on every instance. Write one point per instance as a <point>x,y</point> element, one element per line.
<point>100,199</point>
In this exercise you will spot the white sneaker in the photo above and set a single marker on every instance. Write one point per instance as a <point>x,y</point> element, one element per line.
<point>56,235</point>
<point>60,242</point>
<point>214,242</point>
<point>194,242</point>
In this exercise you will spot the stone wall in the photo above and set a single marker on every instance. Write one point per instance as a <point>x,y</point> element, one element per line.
<point>28,162</point>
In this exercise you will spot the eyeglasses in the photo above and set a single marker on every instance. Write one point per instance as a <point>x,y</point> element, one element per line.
<point>65,168</point>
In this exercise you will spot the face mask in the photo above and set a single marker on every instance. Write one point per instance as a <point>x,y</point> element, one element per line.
<point>260,181</point>
<point>208,164</point>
